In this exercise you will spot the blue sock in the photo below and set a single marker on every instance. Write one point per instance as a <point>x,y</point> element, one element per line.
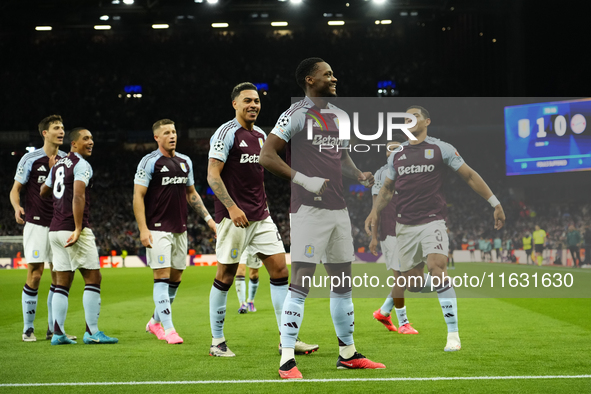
<point>91,300</point>
<point>50,308</point>
<point>449,306</point>
<point>386,309</point>
<point>292,316</point>
<point>253,286</point>
<point>343,318</point>
<point>162,303</point>
<point>60,308</point>
<point>278,294</point>
<point>218,297</point>
<point>173,287</point>
<point>240,285</point>
<point>29,301</point>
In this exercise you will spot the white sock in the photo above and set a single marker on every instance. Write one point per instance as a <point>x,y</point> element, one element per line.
<point>401,314</point>
<point>286,355</point>
<point>347,351</point>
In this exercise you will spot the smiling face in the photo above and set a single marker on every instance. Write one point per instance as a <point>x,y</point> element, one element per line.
<point>323,82</point>
<point>247,106</point>
<point>54,133</point>
<point>165,136</point>
<point>83,144</point>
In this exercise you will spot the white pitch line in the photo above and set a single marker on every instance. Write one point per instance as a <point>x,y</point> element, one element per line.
<point>298,380</point>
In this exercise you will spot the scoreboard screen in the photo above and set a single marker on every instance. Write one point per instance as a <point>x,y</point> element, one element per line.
<point>548,137</point>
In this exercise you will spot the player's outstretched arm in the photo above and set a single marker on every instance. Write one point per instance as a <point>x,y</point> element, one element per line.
<point>195,202</point>
<point>351,171</point>
<point>139,210</point>
<point>78,202</point>
<point>15,200</point>
<point>384,197</point>
<point>475,181</point>
<point>214,178</point>
<point>270,159</point>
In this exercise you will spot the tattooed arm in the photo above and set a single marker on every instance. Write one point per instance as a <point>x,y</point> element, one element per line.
<point>196,203</point>
<point>214,178</point>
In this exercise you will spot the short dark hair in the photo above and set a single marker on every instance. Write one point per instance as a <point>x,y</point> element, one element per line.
<point>75,133</point>
<point>161,122</point>
<point>240,87</point>
<point>423,110</point>
<point>397,138</point>
<point>46,122</point>
<point>306,67</point>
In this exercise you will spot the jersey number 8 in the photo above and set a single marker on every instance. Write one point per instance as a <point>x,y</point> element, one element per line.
<point>59,188</point>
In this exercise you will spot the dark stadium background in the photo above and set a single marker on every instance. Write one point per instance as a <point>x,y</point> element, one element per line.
<point>186,73</point>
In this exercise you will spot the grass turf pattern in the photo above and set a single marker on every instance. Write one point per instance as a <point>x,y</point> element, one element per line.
<point>500,337</point>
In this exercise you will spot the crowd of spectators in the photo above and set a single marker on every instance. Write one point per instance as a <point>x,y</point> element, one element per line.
<point>187,76</point>
<point>469,216</point>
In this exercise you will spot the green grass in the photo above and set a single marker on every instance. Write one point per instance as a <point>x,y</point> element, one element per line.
<point>500,337</point>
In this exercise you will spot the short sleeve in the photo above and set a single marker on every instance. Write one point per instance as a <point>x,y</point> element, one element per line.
<point>289,124</point>
<point>83,172</point>
<point>221,142</point>
<point>391,171</point>
<point>49,179</point>
<point>144,172</point>
<point>23,170</point>
<point>191,178</point>
<point>380,179</point>
<point>451,157</point>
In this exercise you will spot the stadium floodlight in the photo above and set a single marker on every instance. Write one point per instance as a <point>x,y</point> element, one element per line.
<point>386,21</point>
<point>295,1</point>
<point>277,24</point>
<point>115,2</point>
<point>160,26</point>
<point>104,18</point>
<point>43,28</point>
<point>336,23</point>
<point>128,2</point>
<point>102,27</point>
<point>219,25</point>
<point>198,1</point>
<point>212,1</point>
<point>379,1</point>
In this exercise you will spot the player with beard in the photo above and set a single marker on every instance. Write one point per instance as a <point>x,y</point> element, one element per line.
<point>241,211</point>
<point>416,176</point>
<point>320,224</point>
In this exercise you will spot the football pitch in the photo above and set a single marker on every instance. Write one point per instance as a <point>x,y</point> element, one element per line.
<point>508,344</point>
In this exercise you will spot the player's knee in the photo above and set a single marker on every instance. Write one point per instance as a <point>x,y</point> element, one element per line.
<point>34,279</point>
<point>279,272</point>
<point>436,271</point>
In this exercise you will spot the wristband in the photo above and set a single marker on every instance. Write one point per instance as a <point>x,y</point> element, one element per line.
<point>207,218</point>
<point>493,201</point>
<point>311,184</point>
